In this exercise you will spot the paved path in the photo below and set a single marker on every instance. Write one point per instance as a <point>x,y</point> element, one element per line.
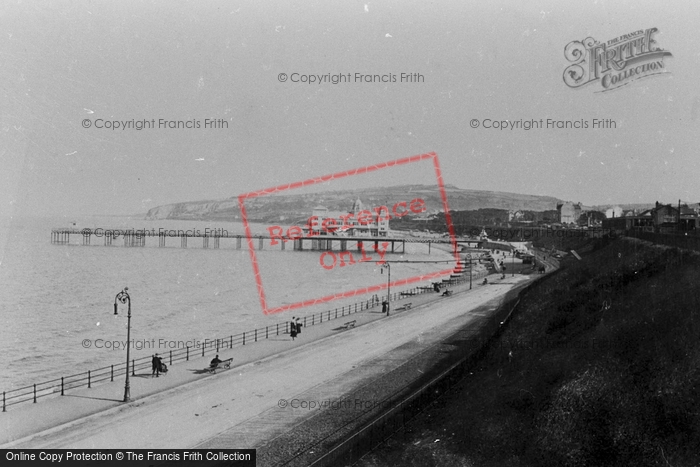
<point>239,407</point>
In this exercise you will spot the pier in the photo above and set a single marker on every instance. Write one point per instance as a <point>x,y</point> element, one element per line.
<point>217,238</point>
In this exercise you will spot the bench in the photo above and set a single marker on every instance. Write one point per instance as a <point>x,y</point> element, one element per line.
<point>349,324</point>
<point>222,365</point>
<point>405,306</point>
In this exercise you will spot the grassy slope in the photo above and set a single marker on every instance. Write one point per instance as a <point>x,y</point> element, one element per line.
<point>587,384</point>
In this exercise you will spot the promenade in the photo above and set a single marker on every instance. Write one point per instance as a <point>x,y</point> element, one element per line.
<point>242,407</point>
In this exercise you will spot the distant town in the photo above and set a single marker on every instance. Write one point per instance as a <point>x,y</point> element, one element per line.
<point>662,218</point>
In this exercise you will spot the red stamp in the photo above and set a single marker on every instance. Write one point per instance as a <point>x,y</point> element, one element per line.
<point>365,219</point>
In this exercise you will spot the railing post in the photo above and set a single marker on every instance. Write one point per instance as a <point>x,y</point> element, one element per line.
<point>89,382</point>
<point>112,374</point>
<point>231,339</point>
<point>62,386</point>
<point>243,337</point>
<point>171,357</point>
<point>203,347</point>
<point>3,402</point>
<point>278,329</point>
<point>256,334</point>
<point>217,345</point>
<point>188,353</point>
<point>305,322</point>
<point>133,367</point>
<point>266,334</point>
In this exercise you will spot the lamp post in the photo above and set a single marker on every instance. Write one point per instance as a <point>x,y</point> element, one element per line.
<point>123,298</point>
<point>388,286</point>
<point>512,262</point>
<point>470,270</point>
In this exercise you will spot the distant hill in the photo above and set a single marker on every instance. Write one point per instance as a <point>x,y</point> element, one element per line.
<point>295,207</point>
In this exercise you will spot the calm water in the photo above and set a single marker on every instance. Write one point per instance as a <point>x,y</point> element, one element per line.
<point>53,297</point>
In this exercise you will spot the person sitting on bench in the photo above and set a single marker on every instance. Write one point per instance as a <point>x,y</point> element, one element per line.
<point>215,361</point>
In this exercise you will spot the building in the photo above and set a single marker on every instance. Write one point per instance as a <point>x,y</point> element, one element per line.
<point>662,218</point>
<point>665,217</point>
<point>353,222</point>
<point>515,216</point>
<point>569,213</point>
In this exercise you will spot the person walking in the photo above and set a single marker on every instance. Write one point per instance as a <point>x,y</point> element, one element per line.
<point>385,306</point>
<point>293,328</point>
<point>298,324</point>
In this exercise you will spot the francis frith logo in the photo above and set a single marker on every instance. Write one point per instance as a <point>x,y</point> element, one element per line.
<point>616,62</point>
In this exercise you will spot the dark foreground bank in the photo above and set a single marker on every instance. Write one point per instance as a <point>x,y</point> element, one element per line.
<point>600,366</point>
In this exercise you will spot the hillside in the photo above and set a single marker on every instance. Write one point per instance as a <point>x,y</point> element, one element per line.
<point>604,370</point>
<point>295,207</point>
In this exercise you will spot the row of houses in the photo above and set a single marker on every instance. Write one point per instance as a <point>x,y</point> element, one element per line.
<point>662,218</point>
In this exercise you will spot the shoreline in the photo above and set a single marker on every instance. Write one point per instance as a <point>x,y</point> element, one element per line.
<point>60,412</point>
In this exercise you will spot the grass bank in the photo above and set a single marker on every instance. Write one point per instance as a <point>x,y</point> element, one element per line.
<point>600,366</point>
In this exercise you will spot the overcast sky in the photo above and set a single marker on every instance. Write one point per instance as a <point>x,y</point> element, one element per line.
<point>64,62</point>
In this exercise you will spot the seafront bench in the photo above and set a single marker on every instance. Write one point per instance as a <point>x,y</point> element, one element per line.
<point>405,306</point>
<point>222,365</point>
<point>349,324</point>
<point>403,294</point>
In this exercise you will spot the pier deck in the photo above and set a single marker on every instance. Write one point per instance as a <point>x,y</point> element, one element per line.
<point>212,238</point>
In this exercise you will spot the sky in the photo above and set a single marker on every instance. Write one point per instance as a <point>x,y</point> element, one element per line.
<point>70,68</point>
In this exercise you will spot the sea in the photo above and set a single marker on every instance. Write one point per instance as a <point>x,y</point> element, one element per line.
<point>57,301</point>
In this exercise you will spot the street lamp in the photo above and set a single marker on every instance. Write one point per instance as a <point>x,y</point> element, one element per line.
<point>388,286</point>
<point>123,298</point>
<point>469,255</point>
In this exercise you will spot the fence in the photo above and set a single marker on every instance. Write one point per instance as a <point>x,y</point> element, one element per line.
<point>60,385</point>
<point>403,409</point>
<point>687,242</point>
